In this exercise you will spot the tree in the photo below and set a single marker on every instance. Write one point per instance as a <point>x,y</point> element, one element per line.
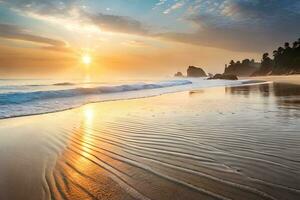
<point>287,45</point>
<point>246,62</point>
<point>265,56</point>
<point>280,50</point>
<point>266,64</point>
<point>295,45</point>
<point>241,68</point>
<point>286,60</point>
<point>275,53</point>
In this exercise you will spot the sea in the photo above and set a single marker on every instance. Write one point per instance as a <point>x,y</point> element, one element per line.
<point>22,97</point>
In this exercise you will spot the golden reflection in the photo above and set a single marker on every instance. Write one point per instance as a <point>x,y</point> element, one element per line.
<point>85,134</point>
<point>88,116</point>
<point>81,145</point>
<point>87,125</point>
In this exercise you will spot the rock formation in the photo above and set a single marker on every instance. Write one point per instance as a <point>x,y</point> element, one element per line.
<point>178,74</point>
<point>195,72</point>
<point>224,76</point>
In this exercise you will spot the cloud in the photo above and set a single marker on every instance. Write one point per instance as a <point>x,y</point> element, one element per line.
<point>9,31</point>
<point>41,6</point>
<point>73,12</point>
<point>175,6</point>
<point>240,25</point>
<point>135,43</point>
<point>160,2</point>
<point>115,23</point>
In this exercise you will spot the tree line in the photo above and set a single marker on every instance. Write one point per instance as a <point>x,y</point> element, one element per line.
<point>245,67</point>
<point>285,60</point>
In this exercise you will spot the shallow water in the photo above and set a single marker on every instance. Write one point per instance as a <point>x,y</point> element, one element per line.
<point>218,143</point>
<point>29,97</point>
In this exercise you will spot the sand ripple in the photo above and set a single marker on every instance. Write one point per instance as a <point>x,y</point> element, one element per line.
<point>150,149</point>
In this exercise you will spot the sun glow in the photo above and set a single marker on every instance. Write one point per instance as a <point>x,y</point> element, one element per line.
<point>86,59</point>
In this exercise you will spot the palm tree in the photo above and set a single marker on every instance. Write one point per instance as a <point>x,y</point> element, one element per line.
<point>280,50</point>
<point>275,53</point>
<point>286,45</point>
<point>298,43</point>
<point>295,45</point>
<point>265,56</point>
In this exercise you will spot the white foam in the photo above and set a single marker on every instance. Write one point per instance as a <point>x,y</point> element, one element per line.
<point>29,101</point>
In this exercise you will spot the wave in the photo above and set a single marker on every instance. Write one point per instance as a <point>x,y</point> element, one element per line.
<point>23,97</point>
<point>16,87</point>
<point>64,83</point>
<point>30,101</point>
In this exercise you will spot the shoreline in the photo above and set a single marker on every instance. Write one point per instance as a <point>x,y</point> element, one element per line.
<point>291,79</point>
<point>250,82</point>
<point>215,142</point>
<point>294,79</point>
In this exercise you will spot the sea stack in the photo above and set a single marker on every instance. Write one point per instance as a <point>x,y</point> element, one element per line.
<point>193,71</point>
<point>178,74</point>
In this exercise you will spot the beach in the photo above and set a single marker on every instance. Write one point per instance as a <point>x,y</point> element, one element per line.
<point>221,142</point>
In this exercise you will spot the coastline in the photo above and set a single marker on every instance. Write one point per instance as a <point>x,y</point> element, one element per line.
<point>178,145</point>
<point>20,111</point>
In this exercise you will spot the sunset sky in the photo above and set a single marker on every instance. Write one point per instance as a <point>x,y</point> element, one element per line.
<point>138,37</point>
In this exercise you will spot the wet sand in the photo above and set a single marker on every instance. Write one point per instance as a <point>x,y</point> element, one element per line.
<point>291,79</point>
<point>217,143</point>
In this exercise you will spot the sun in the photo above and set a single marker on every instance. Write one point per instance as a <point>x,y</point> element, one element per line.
<point>86,59</point>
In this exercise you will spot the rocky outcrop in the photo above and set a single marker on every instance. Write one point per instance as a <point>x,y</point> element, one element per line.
<point>178,74</point>
<point>224,77</point>
<point>193,71</point>
<point>210,75</point>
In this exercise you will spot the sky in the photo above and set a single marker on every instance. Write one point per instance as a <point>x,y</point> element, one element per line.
<point>42,38</point>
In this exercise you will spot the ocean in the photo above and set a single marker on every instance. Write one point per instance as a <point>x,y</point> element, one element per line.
<point>21,97</point>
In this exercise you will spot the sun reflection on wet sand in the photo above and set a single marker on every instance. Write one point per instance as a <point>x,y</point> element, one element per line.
<point>87,129</point>
<point>88,116</point>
